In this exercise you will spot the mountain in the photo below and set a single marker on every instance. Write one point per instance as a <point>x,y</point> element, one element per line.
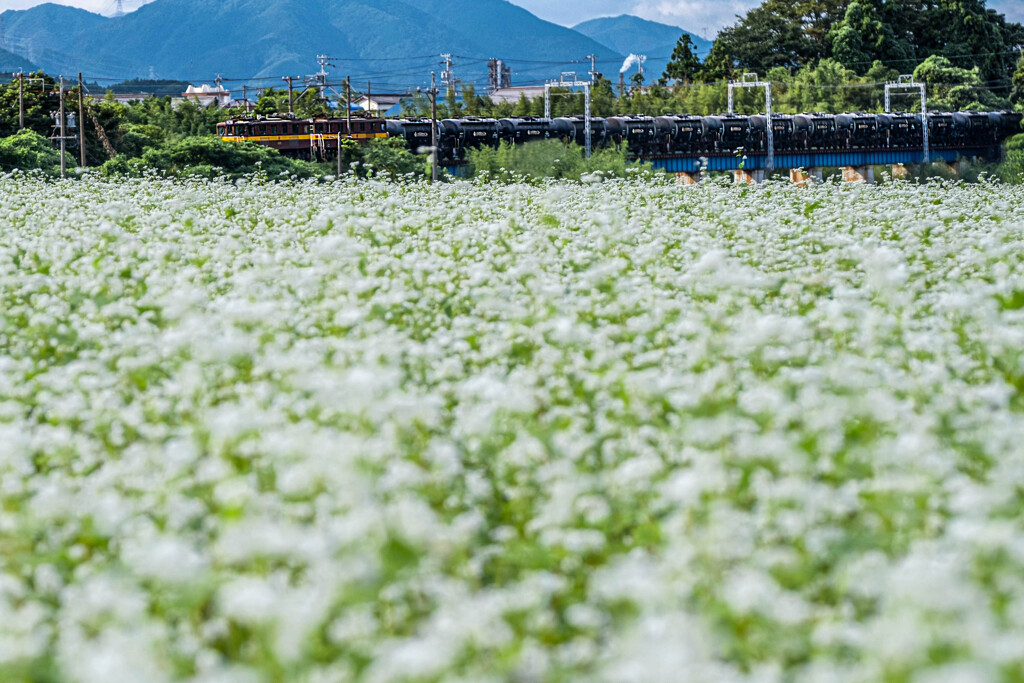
<point>45,34</point>
<point>394,43</point>
<point>627,34</point>
<point>12,63</point>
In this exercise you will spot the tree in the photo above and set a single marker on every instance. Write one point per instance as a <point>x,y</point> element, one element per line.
<point>862,37</point>
<point>40,99</point>
<point>1017,96</point>
<point>789,33</point>
<point>28,150</point>
<point>522,106</point>
<point>720,62</point>
<point>953,88</point>
<point>684,65</point>
<point>272,101</point>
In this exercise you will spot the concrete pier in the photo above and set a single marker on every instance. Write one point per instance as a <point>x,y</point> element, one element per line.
<point>748,177</point>
<point>800,177</point>
<point>955,167</point>
<point>859,174</point>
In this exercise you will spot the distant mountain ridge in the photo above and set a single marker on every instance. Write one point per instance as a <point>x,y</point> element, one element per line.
<point>629,34</point>
<point>12,63</point>
<point>395,43</point>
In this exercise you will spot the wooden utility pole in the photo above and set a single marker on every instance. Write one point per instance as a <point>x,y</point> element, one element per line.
<point>348,106</point>
<point>63,139</point>
<point>289,79</point>
<point>81,122</point>
<point>433,126</point>
<point>21,100</point>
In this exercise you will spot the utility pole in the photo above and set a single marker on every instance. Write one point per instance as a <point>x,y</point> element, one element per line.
<point>368,98</point>
<point>63,140</point>
<point>21,100</point>
<point>348,106</point>
<point>289,79</point>
<point>593,68</point>
<point>433,127</point>
<point>245,98</point>
<point>448,75</point>
<point>81,122</point>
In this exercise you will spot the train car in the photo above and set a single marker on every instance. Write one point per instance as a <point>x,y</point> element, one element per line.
<point>857,131</point>
<point>637,133</point>
<point>478,132</point>
<point>1010,124</point>
<point>526,129</point>
<point>782,131</point>
<point>415,131</point>
<point>301,138</point>
<point>735,131</point>
<point>904,130</point>
<point>714,131</point>
<point>679,133</point>
<point>598,130</point>
<point>948,129</point>
<point>665,133</point>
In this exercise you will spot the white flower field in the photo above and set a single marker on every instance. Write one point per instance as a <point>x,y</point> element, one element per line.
<point>621,431</point>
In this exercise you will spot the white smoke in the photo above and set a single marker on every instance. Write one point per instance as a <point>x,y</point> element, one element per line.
<point>631,60</point>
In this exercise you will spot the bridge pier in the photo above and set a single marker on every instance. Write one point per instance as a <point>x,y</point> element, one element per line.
<point>899,171</point>
<point>801,177</point>
<point>687,178</point>
<point>749,177</point>
<point>955,167</point>
<point>859,174</point>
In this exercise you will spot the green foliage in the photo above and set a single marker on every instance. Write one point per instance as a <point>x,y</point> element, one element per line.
<point>549,159</point>
<point>856,33</point>
<point>954,88</point>
<point>1017,95</point>
<point>210,157</point>
<point>684,65</point>
<point>387,156</point>
<point>1012,168</point>
<point>27,150</point>
<point>40,99</point>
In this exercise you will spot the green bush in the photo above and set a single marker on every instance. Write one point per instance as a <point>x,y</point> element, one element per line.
<point>549,159</point>
<point>388,156</point>
<point>211,157</point>
<point>27,150</point>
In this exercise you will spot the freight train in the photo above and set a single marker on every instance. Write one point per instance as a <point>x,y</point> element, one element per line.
<point>648,137</point>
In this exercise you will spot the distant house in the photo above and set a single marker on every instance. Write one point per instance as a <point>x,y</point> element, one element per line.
<point>388,104</point>
<point>126,97</point>
<point>205,95</point>
<point>512,95</point>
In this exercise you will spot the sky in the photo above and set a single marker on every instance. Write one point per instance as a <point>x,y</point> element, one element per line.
<point>703,17</point>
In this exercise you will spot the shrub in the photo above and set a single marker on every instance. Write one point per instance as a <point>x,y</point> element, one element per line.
<point>548,159</point>
<point>27,150</point>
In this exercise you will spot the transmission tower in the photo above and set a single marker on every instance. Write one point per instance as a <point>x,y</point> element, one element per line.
<point>119,8</point>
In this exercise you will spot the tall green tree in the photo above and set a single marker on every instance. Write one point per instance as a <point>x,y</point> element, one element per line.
<point>787,33</point>
<point>684,65</point>
<point>1017,95</point>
